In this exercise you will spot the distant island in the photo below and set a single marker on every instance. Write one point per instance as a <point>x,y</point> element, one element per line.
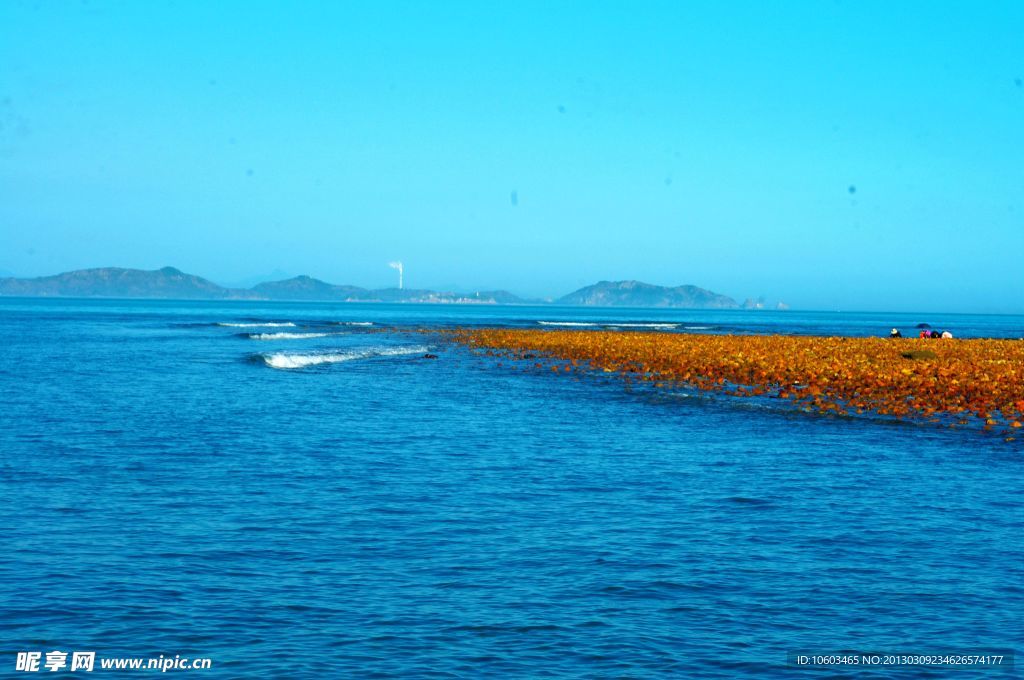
<point>637,294</point>
<point>173,284</point>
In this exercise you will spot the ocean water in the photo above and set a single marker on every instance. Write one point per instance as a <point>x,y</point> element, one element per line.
<point>292,490</point>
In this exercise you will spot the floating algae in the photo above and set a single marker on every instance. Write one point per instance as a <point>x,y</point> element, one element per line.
<point>945,382</point>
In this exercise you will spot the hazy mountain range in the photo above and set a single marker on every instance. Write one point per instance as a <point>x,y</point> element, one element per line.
<point>171,283</point>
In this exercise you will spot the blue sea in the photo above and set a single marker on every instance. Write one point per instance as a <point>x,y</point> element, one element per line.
<point>293,490</point>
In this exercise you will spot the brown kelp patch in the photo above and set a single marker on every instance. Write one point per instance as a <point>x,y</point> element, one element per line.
<point>943,381</point>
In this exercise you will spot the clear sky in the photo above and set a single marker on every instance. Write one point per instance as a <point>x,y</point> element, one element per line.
<point>834,155</point>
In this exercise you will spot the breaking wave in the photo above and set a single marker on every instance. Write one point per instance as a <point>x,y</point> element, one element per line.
<point>304,360</point>
<point>285,360</point>
<point>355,323</point>
<point>567,323</point>
<point>287,336</point>
<point>268,324</point>
<point>606,324</point>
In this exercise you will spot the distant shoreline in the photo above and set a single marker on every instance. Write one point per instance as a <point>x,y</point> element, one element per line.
<point>925,314</point>
<point>172,283</point>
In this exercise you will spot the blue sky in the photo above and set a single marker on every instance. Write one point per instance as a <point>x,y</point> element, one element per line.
<point>834,155</point>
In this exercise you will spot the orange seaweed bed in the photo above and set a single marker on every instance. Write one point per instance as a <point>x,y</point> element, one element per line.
<point>953,382</point>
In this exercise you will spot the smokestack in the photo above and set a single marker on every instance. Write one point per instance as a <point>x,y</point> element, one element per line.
<point>398,266</point>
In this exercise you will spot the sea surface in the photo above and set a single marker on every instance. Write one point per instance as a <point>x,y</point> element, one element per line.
<point>293,490</point>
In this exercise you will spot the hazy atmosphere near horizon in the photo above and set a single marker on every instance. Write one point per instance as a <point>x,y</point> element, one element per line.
<point>834,155</point>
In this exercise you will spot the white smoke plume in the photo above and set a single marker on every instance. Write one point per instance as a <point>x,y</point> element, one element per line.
<point>400,268</point>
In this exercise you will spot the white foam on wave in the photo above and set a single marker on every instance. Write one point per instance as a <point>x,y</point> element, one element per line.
<point>566,323</point>
<point>607,324</point>
<point>355,323</point>
<point>698,328</point>
<point>287,336</point>
<point>304,360</point>
<point>268,324</point>
<point>643,325</point>
<point>290,361</point>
